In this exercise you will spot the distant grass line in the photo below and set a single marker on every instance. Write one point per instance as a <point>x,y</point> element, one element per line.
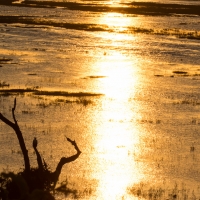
<point>140,8</point>
<point>66,94</point>
<point>38,21</point>
<point>47,93</point>
<point>100,27</point>
<point>4,84</point>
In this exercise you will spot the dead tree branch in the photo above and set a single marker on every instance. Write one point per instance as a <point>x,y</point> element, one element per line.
<point>39,159</point>
<point>41,177</point>
<point>63,161</point>
<point>19,136</point>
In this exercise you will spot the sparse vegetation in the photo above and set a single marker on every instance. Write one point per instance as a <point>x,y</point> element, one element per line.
<point>100,27</point>
<point>4,84</point>
<point>35,91</point>
<point>148,192</point>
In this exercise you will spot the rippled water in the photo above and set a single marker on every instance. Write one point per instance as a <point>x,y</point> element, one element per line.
<point>134,111</point>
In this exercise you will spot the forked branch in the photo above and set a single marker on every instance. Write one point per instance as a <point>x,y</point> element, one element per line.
<point>63,161</point>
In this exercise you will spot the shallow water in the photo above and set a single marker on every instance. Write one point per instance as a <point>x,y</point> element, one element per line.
<point>141,133</point>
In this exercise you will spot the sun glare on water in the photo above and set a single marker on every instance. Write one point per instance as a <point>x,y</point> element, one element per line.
<point>116,135</point>
<point>117,21</point>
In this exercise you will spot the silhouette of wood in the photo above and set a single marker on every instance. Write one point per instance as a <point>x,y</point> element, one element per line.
<point>43,178</point>
<point>54,176</point>
<point>18,132</point>
<point>39,159</point>
<point>63,161</point>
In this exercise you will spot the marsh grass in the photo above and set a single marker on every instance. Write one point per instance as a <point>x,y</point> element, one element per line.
<point>84,101</point>
<point>99,27</point>
<point>193,102</point>
<point>68,190</point>
<point>36,92</point>
<point>4,84</point>
<point>180,72</point>
<point>145,191</point>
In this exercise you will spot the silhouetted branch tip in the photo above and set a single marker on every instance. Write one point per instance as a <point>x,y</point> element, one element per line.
<point>13,111</point>
<point>35,143</point>
<point>74,144</point>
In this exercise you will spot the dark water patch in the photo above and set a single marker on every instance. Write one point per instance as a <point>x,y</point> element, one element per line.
<point>95,77</point>
<point>182,23</point>
<point>180,72</point>
<point>32,74</point>
<point>38,49</point>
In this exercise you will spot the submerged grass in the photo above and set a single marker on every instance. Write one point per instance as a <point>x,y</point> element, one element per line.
<point>83,98</point>
<point>148,192</point>
<point>4,84</point>
<point>48,93</point>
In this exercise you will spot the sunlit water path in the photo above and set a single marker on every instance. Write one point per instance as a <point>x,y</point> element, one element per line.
<point>141,136</point>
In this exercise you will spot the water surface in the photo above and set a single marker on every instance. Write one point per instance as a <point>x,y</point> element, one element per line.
<point>124,85</point>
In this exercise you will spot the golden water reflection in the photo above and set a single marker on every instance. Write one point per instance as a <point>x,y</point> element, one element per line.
<point>117,137</point>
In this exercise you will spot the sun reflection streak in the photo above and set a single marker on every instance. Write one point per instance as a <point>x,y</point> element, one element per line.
<point>121,77</point>
<point>116,143</point>
<point>117,136</point>
<point>117,21</point>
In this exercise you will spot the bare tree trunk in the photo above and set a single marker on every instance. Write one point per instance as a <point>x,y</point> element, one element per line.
<point>19,136</point>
